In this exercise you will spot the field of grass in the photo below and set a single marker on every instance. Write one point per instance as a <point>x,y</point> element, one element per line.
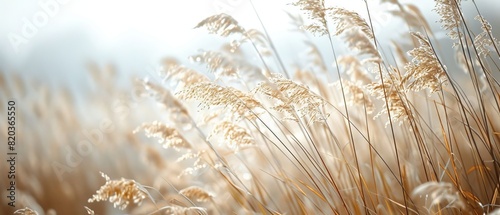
<point>387,127</point>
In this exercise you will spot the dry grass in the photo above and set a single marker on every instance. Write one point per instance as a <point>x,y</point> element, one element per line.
<point>388,136</point>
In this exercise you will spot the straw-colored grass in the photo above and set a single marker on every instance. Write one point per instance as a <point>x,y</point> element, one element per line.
<point>365,132</point>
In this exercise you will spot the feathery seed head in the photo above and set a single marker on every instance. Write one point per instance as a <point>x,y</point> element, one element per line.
<point>316,11</point>
<point>293,97</point>
<point>424,71</point>
<point>235,136</point>
<point>181,76</point>
<point>119,192</point>
<point>196,193</point>
<point>449,10</point>
<point>198,163</point>
<point>356,96</point>
<point>390,92</point>
<point>241,104</point>
<point>485,40</point>
<point>347,20</point>
<point>168,136</point>
<point>221,24</point>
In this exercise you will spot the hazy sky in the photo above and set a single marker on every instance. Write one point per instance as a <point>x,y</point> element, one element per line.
<point>57,38</point>
<point>54,40</point>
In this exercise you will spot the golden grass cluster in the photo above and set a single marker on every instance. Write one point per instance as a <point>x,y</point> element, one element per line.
<point>364,132</point>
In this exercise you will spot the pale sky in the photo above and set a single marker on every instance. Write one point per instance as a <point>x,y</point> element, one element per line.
<point>129,34</point>
<point>56,38</point>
